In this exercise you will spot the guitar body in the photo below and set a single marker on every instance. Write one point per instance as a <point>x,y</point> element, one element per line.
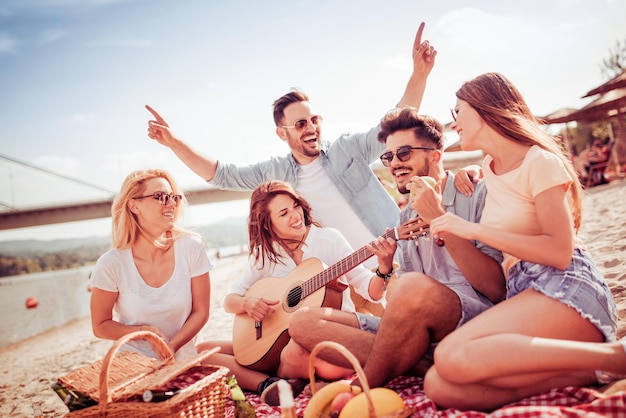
<point>258,345</point>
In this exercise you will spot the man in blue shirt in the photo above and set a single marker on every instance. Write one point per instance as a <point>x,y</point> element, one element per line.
<point>335,178</point>
<point>442,286</point>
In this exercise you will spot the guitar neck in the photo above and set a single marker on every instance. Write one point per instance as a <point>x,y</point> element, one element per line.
<point>342,266</point>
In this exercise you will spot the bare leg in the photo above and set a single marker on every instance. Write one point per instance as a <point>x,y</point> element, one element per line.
<point>512,350</point>
<point>420,311</point>
<point>309,326</point>
<point>294,363</point>
<point>226,347</point>
<point>247,378</point>
<point>487,398</point>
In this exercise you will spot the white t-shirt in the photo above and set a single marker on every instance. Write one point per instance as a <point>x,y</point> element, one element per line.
<point>327,245</point>
<point>330,207</point>
<point>166,307</point>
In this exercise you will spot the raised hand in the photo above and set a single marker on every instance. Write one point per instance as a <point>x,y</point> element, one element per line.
<point>426,200</point>
<point>423,54</point>
<point>158,129</point>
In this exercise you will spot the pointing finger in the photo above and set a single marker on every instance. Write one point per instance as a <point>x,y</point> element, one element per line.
<point>158,117</point>
<point>418,37</point>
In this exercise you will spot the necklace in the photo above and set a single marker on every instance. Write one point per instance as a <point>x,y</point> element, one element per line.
<point>292,252</point>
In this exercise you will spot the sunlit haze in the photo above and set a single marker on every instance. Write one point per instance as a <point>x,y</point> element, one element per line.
<point>75,76</point>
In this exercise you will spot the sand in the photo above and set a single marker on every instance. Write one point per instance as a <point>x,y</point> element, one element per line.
<point>31,365</point>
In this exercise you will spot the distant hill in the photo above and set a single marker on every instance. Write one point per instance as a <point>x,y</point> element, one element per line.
<point>229,232</point>
<point>226,233</point>
<point>32,247</point>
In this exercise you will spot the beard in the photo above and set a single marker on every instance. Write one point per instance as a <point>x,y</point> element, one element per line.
<point>421,172</point>
<point>296,143</point>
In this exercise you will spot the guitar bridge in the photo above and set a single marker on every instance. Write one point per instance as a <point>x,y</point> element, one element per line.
<point>258,327</point>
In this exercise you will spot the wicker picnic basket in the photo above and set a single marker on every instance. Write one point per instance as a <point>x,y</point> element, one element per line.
<point>118,381</point>
<point>401,413</point>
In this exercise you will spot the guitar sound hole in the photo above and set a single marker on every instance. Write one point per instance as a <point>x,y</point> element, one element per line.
<point>294,296</point>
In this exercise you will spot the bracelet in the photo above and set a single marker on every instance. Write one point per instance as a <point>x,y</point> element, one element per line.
<point>385,277</point>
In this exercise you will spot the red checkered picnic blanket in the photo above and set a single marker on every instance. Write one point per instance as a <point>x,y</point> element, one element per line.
<point>563,402</point>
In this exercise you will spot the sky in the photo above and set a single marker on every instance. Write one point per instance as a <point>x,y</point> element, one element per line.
<point>75,76</point>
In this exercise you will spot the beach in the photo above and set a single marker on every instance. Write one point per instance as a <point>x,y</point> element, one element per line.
<point>31,365</point>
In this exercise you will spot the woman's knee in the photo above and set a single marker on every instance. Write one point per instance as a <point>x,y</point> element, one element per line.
<point>439,391</point>
<point>294,360</point>
<point>453,363</point>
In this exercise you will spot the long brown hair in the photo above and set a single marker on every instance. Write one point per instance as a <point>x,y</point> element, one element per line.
<point>502,107</point>
<point>126,228</point>
<point>260,231</point>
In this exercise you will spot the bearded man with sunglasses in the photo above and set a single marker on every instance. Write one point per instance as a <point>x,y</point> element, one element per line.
<point>439,287</point>
<point>335,178</point>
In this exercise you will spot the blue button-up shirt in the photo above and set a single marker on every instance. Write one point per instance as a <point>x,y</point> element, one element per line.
<point>435,261</point>
<point>346,161</point>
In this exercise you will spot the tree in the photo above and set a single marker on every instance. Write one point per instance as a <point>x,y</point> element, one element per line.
<point>615,64</point>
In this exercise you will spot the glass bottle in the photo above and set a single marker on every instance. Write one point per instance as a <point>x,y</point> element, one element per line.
<point>72,398</point>
<point>158,395</point>
<point>243,409</point>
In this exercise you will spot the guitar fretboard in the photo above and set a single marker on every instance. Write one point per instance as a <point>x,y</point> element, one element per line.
<point>341,267</point>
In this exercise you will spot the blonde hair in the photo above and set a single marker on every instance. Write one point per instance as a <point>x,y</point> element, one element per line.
<point>126,228</point>
<point>502,107</point>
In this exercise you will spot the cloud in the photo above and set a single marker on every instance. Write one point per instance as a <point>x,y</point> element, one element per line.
<point>21,5</point>
<point>80,117</point>
<point>7,44</point>
<point>124,43</point>
<point>51,35</point>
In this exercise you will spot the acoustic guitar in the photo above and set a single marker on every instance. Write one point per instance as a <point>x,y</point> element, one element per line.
<point>257,345</point>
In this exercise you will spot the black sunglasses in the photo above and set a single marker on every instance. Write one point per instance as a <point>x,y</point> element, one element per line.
<point>163,198</point>
<point>403,153</point>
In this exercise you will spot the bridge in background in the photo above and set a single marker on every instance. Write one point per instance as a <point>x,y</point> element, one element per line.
<point>12,218</point>
<point>82,211</point>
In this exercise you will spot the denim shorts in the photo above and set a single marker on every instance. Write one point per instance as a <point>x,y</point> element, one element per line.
<point>367,322</point>
<point>581,286</point>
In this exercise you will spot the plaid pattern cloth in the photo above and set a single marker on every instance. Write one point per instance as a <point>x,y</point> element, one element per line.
<point>567,402</point>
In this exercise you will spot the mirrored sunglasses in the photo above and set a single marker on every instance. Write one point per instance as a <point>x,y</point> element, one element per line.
<point>163,198</point>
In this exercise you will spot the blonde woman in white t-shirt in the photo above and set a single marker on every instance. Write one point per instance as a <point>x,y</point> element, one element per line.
<point>156,277</point>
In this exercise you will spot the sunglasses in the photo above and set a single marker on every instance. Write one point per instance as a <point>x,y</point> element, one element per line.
<point>163,198</point>
<point>403,153</point>
<point>301,124</point>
